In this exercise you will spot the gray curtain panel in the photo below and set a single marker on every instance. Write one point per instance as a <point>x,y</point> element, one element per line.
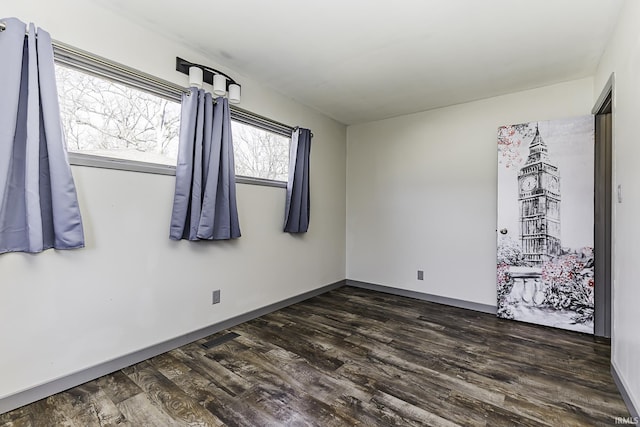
<point>297,208</point>
<point>204,205</point>
<point>38,203</point>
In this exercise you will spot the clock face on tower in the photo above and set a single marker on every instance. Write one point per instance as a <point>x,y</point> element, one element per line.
<point>554,184</point>
<point>528,183</point>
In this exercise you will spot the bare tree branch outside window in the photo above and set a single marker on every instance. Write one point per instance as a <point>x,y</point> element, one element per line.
<point>111,119</point>
<point>259,153</point>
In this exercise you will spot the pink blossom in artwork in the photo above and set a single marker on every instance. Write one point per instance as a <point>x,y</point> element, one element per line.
<point>509,142</point>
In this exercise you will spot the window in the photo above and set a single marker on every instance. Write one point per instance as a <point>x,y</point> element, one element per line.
<point>261,148</point>
<point>105,118</point>
<point>120,118</point>
<point>260,153</point>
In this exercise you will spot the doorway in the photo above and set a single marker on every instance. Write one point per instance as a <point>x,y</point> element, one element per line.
<point>603,111</point>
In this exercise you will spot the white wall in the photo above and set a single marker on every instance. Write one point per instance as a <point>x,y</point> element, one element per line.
<point>622,57</point>
<point>421,191</point>
<point>132,287</point>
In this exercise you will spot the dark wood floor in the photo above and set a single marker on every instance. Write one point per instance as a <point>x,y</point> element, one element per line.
<point>355,357</point>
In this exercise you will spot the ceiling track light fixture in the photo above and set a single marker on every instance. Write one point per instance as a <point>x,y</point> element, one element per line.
<point>221,82</point>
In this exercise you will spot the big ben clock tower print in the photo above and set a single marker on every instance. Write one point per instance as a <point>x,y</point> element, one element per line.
<point>544,272</point>
<point>539,199</point>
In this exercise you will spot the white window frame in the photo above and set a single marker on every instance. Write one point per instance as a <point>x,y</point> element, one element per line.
<point>86,62</point>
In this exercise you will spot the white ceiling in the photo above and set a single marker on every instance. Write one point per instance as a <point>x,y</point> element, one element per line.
<point>364,60</point>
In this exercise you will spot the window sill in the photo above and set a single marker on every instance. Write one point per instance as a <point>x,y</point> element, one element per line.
<point>260,181</point>
<point>90,160</point>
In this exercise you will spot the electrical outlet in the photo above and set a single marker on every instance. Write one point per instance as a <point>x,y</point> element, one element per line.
<point>420,275</point>
<point>216,297</point>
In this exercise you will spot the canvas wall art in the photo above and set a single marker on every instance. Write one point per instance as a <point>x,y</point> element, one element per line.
<point>545,223</point>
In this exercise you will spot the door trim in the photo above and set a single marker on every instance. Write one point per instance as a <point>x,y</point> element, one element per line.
<point>603,213</point>
<point>607,90</point>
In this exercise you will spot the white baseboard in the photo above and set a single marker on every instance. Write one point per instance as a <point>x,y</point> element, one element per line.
<point>633,411</point>
<point>484,308</point>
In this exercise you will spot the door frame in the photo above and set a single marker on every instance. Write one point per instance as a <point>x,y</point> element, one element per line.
<point>603,112</point>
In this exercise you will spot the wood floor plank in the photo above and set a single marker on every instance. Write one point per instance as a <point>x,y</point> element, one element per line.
<point>325,398</point>
<point>233,411</point>
<point>416,390</point>
<point>280,392</point>
<point>217,374</point>
<point>313,354</point>
<point>411,414</point>
<point>44,412</point>
<point>118,387</point>
<point>169,366</point>
<point>139,410</point>
<point>355,357</point>
<point>88,405</point>
<point>168,397</point>
<point>22,421</point>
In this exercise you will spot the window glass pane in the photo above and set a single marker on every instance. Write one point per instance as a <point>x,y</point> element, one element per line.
<point>101,117</point>
<point>260,153</point>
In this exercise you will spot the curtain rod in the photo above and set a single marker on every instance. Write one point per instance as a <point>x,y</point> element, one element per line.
<point>62,48</point>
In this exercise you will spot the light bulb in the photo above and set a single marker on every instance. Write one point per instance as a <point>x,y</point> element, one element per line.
<point>219,84</point>
<point>234,93</point>
<point>195,77</point>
